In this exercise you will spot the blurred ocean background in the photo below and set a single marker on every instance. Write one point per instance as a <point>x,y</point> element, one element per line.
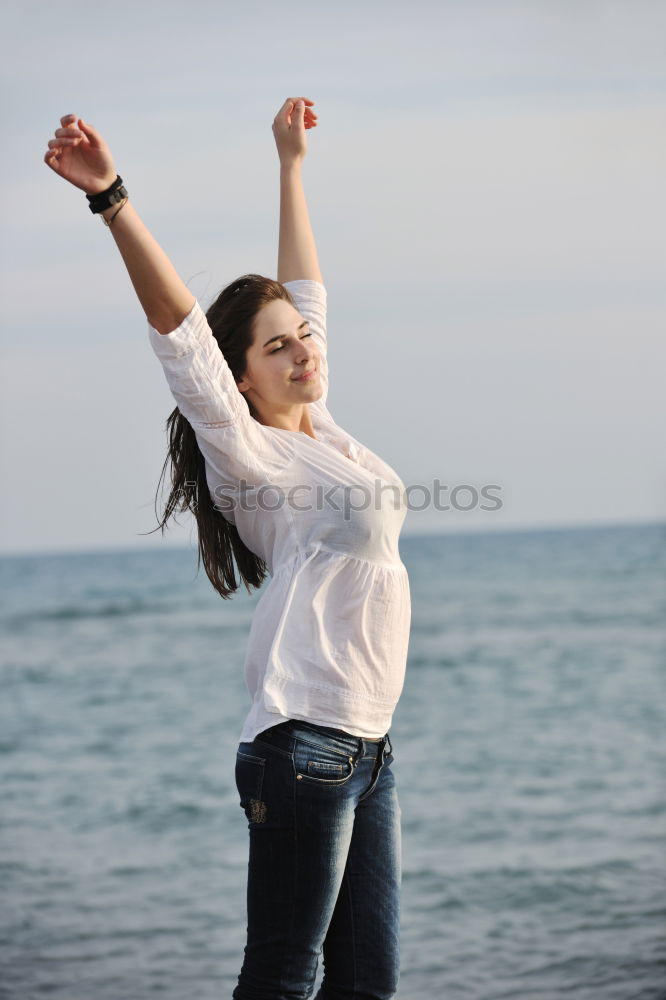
<point>530,760</point>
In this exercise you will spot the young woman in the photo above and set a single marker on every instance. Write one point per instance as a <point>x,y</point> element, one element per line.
<point>281,488</point>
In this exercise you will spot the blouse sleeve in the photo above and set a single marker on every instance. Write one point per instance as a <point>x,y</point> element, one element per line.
<point>234,444</point>
<point>310,299</point>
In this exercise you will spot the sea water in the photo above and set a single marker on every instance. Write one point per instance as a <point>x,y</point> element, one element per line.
<point>529,756</point>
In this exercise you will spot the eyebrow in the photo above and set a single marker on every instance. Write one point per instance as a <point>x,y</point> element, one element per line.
<point>281,336</point>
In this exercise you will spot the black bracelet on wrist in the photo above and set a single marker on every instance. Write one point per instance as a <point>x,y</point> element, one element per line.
<point>105,199</point>
<point>109,222</point>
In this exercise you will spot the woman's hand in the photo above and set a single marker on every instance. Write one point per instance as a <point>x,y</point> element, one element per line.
<point>79,154</point>
<point>291,121</point>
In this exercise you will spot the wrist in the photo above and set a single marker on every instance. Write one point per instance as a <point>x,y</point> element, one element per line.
<point>292,165</point>
<point>109,202</point>
<point>107,197</point>
<point>109,212</point>
<point>103,184</point>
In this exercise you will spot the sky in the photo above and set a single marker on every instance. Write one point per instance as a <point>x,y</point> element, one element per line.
<point>486,186</point>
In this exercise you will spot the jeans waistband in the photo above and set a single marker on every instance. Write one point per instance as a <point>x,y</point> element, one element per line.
<point>284,734</point>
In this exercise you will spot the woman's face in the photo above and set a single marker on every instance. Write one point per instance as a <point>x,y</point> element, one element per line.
<point>282,351</point>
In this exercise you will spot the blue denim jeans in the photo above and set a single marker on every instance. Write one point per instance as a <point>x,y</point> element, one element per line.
<point>324,868</point>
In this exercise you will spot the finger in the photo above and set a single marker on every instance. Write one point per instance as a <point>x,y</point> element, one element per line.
<point>288,105</point>
<point>283,117</point>
<point>52,160</point>
<point>292,100</point>
<point>299,111</point>
<point>67,119</point>
<point>91,134</point>
<point>59,143</point>
<point>69,137</point>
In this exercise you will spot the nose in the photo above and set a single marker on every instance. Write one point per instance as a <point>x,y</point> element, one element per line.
<point>307,353</point>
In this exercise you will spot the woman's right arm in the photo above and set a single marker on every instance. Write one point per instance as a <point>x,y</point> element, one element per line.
<point>79,155</point>
<point>198,375</point>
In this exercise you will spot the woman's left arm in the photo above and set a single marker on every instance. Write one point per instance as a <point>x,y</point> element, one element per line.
<point>297,251</point>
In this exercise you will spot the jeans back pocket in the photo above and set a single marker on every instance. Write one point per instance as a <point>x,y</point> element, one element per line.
<point>249,782</point>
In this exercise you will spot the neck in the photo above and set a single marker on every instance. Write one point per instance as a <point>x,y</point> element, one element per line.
<point>297,420</point>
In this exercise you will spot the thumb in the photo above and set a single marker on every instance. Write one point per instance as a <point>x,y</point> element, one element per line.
<point>299,111</point>
<point>91,134</point>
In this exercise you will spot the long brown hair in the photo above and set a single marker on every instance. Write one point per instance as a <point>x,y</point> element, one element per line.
<point>231,319</point>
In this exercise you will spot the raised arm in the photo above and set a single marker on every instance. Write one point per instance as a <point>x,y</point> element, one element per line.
<point>79,155</point>
<point>297,252</point>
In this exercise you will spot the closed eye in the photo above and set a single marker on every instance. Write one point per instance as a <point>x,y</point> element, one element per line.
<point>282,345</point>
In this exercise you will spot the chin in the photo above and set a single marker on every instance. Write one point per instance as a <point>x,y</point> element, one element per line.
<point>316,392</point>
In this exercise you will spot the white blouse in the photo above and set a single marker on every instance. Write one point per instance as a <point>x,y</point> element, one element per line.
<point>330,632</point>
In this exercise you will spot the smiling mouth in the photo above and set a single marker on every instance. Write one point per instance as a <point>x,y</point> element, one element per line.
<point>305,377</point>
